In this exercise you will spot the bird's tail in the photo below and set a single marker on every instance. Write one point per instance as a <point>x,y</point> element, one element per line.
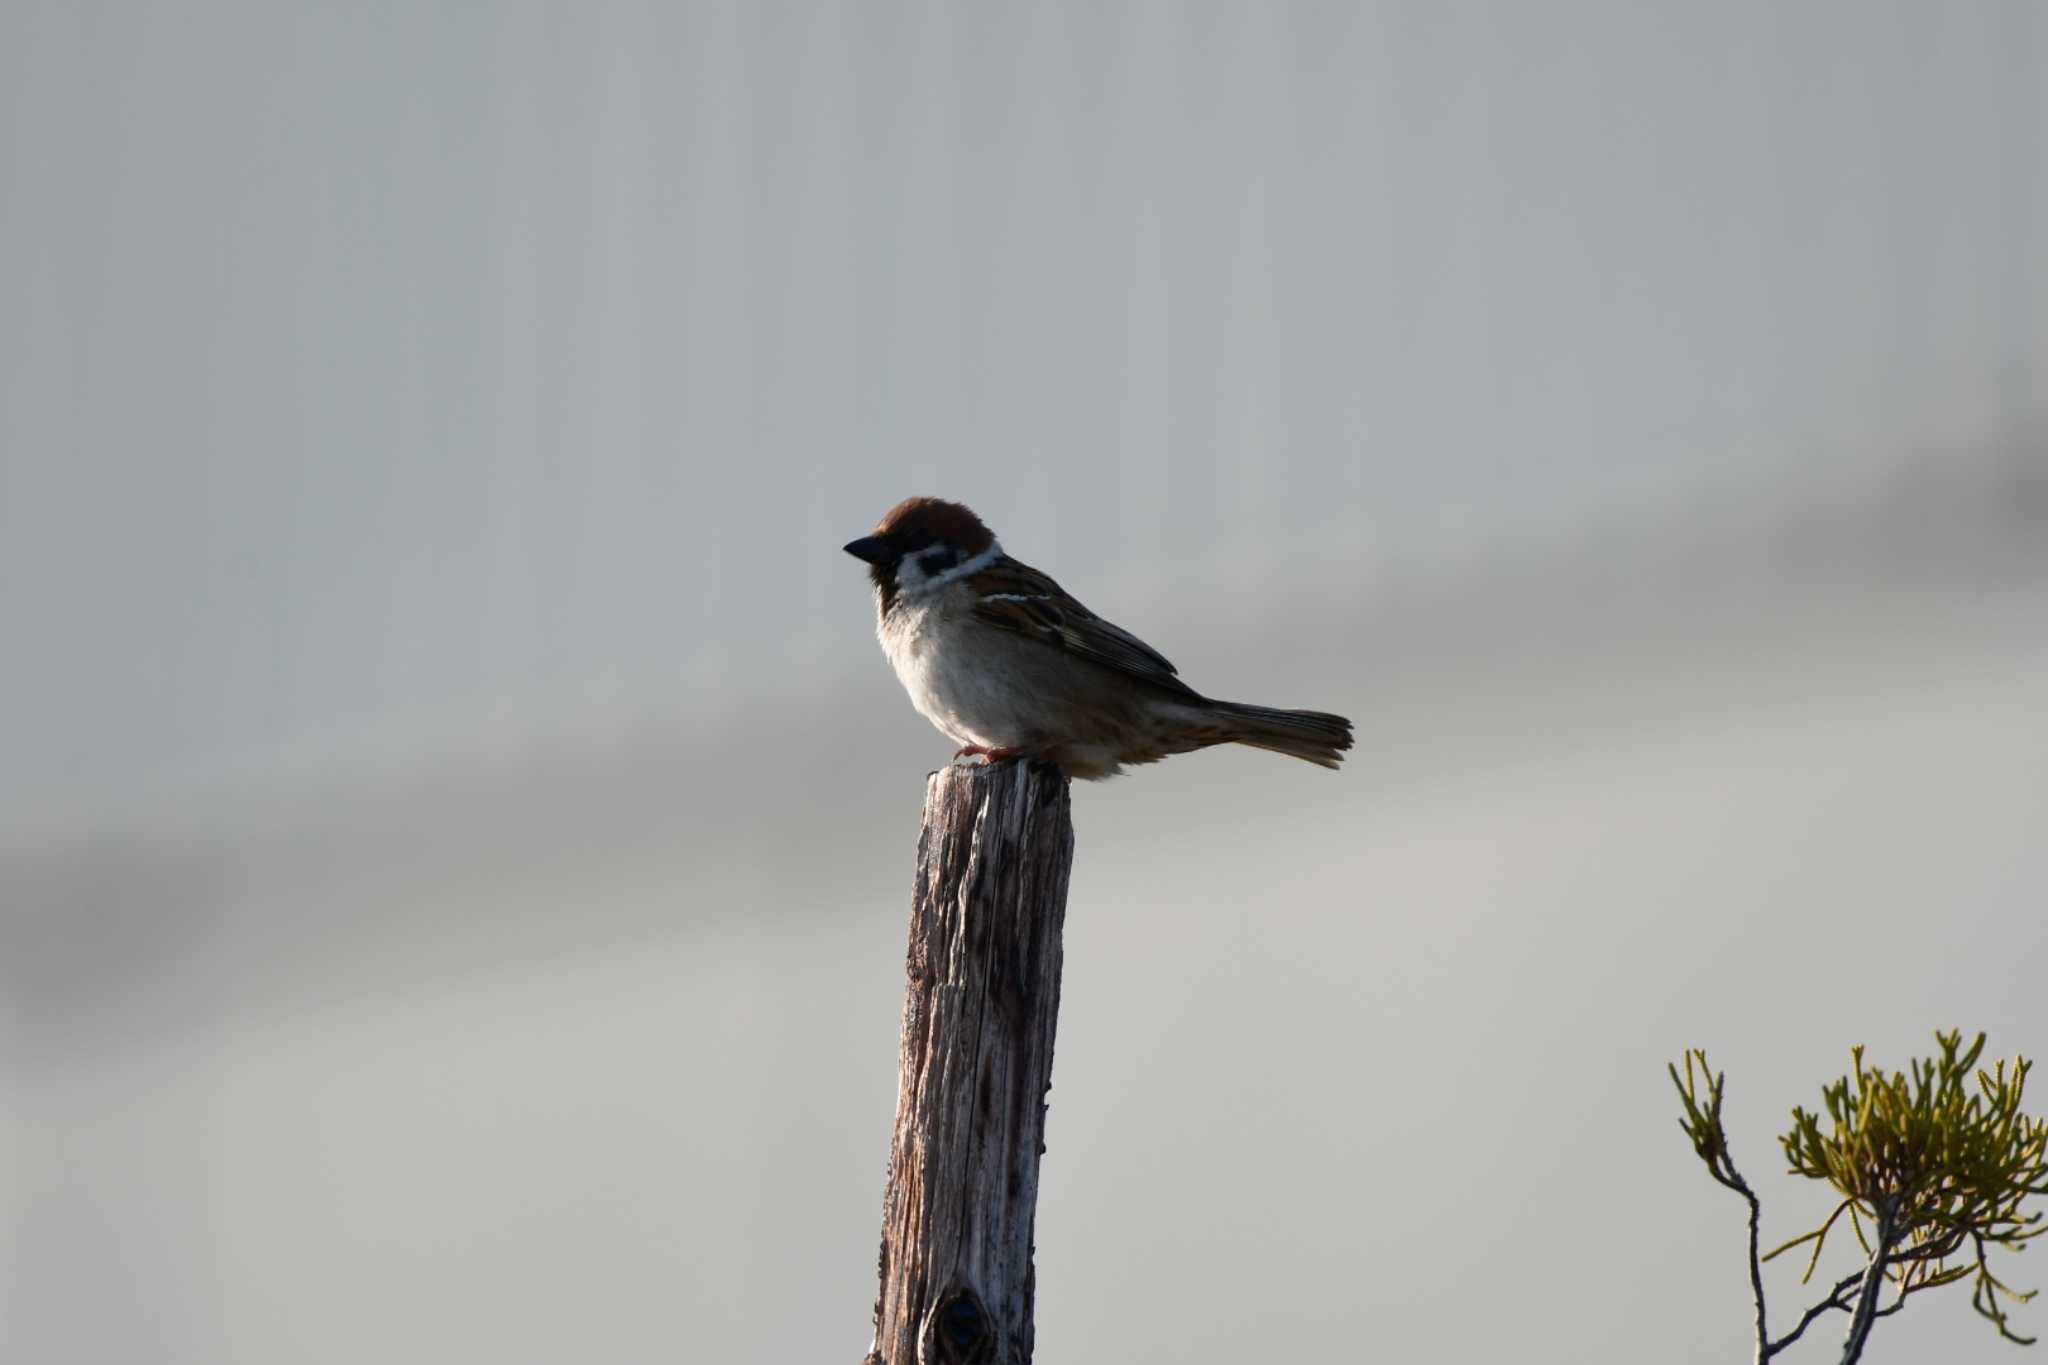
<point>1316,736</point>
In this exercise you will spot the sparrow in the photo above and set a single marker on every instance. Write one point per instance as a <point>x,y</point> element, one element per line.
<point>1003,661</point>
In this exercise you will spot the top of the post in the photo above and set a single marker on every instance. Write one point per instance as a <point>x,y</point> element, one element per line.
<point>1014,792</point>
<point>1010,775</point>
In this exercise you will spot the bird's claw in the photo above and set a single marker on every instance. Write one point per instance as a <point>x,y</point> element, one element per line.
<point>986,753</point>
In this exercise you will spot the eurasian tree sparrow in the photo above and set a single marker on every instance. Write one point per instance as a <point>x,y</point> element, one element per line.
<point>996,655</point>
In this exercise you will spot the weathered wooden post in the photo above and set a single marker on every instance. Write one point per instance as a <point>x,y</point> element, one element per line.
<point>979,1009</point>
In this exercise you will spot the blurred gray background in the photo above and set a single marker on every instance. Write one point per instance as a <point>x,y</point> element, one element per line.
<point>456,827</point>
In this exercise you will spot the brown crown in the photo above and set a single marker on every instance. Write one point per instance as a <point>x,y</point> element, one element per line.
<point>941,520</point>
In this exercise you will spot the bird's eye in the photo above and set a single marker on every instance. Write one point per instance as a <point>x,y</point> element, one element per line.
<point>936,562</point>
<point>916,540</point>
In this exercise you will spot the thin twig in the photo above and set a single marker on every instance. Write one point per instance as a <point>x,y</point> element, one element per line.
<point>1722,1167</point>
<point>1842,1296</point>
<point>1873,1281</point>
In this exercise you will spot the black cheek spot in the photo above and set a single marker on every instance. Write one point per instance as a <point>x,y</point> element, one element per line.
<point>936,562</point>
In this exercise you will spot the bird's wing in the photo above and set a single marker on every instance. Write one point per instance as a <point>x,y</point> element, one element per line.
<point>1016,597</point>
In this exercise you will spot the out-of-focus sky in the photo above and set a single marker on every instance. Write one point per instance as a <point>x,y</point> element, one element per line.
<point>455,826</point>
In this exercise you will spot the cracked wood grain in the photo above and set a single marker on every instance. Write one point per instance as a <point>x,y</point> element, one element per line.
<point>980,1005</point>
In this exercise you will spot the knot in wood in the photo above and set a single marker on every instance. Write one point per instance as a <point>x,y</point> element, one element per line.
<point>960,1331</point>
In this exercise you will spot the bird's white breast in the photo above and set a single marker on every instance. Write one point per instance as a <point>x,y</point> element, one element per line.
<point>922,636</point>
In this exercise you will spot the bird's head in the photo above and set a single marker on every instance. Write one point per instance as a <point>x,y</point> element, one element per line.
<point>918,542</point>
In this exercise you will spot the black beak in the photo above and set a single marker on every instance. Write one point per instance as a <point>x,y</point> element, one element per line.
<point>873,549</point>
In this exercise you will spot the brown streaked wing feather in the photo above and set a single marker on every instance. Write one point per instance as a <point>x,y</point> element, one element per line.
<point>1017,597</point>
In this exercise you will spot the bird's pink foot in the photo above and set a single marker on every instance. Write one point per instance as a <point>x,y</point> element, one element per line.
<point>987,753</point>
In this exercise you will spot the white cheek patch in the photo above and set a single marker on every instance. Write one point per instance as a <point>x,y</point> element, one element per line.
<point>911,579</point>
